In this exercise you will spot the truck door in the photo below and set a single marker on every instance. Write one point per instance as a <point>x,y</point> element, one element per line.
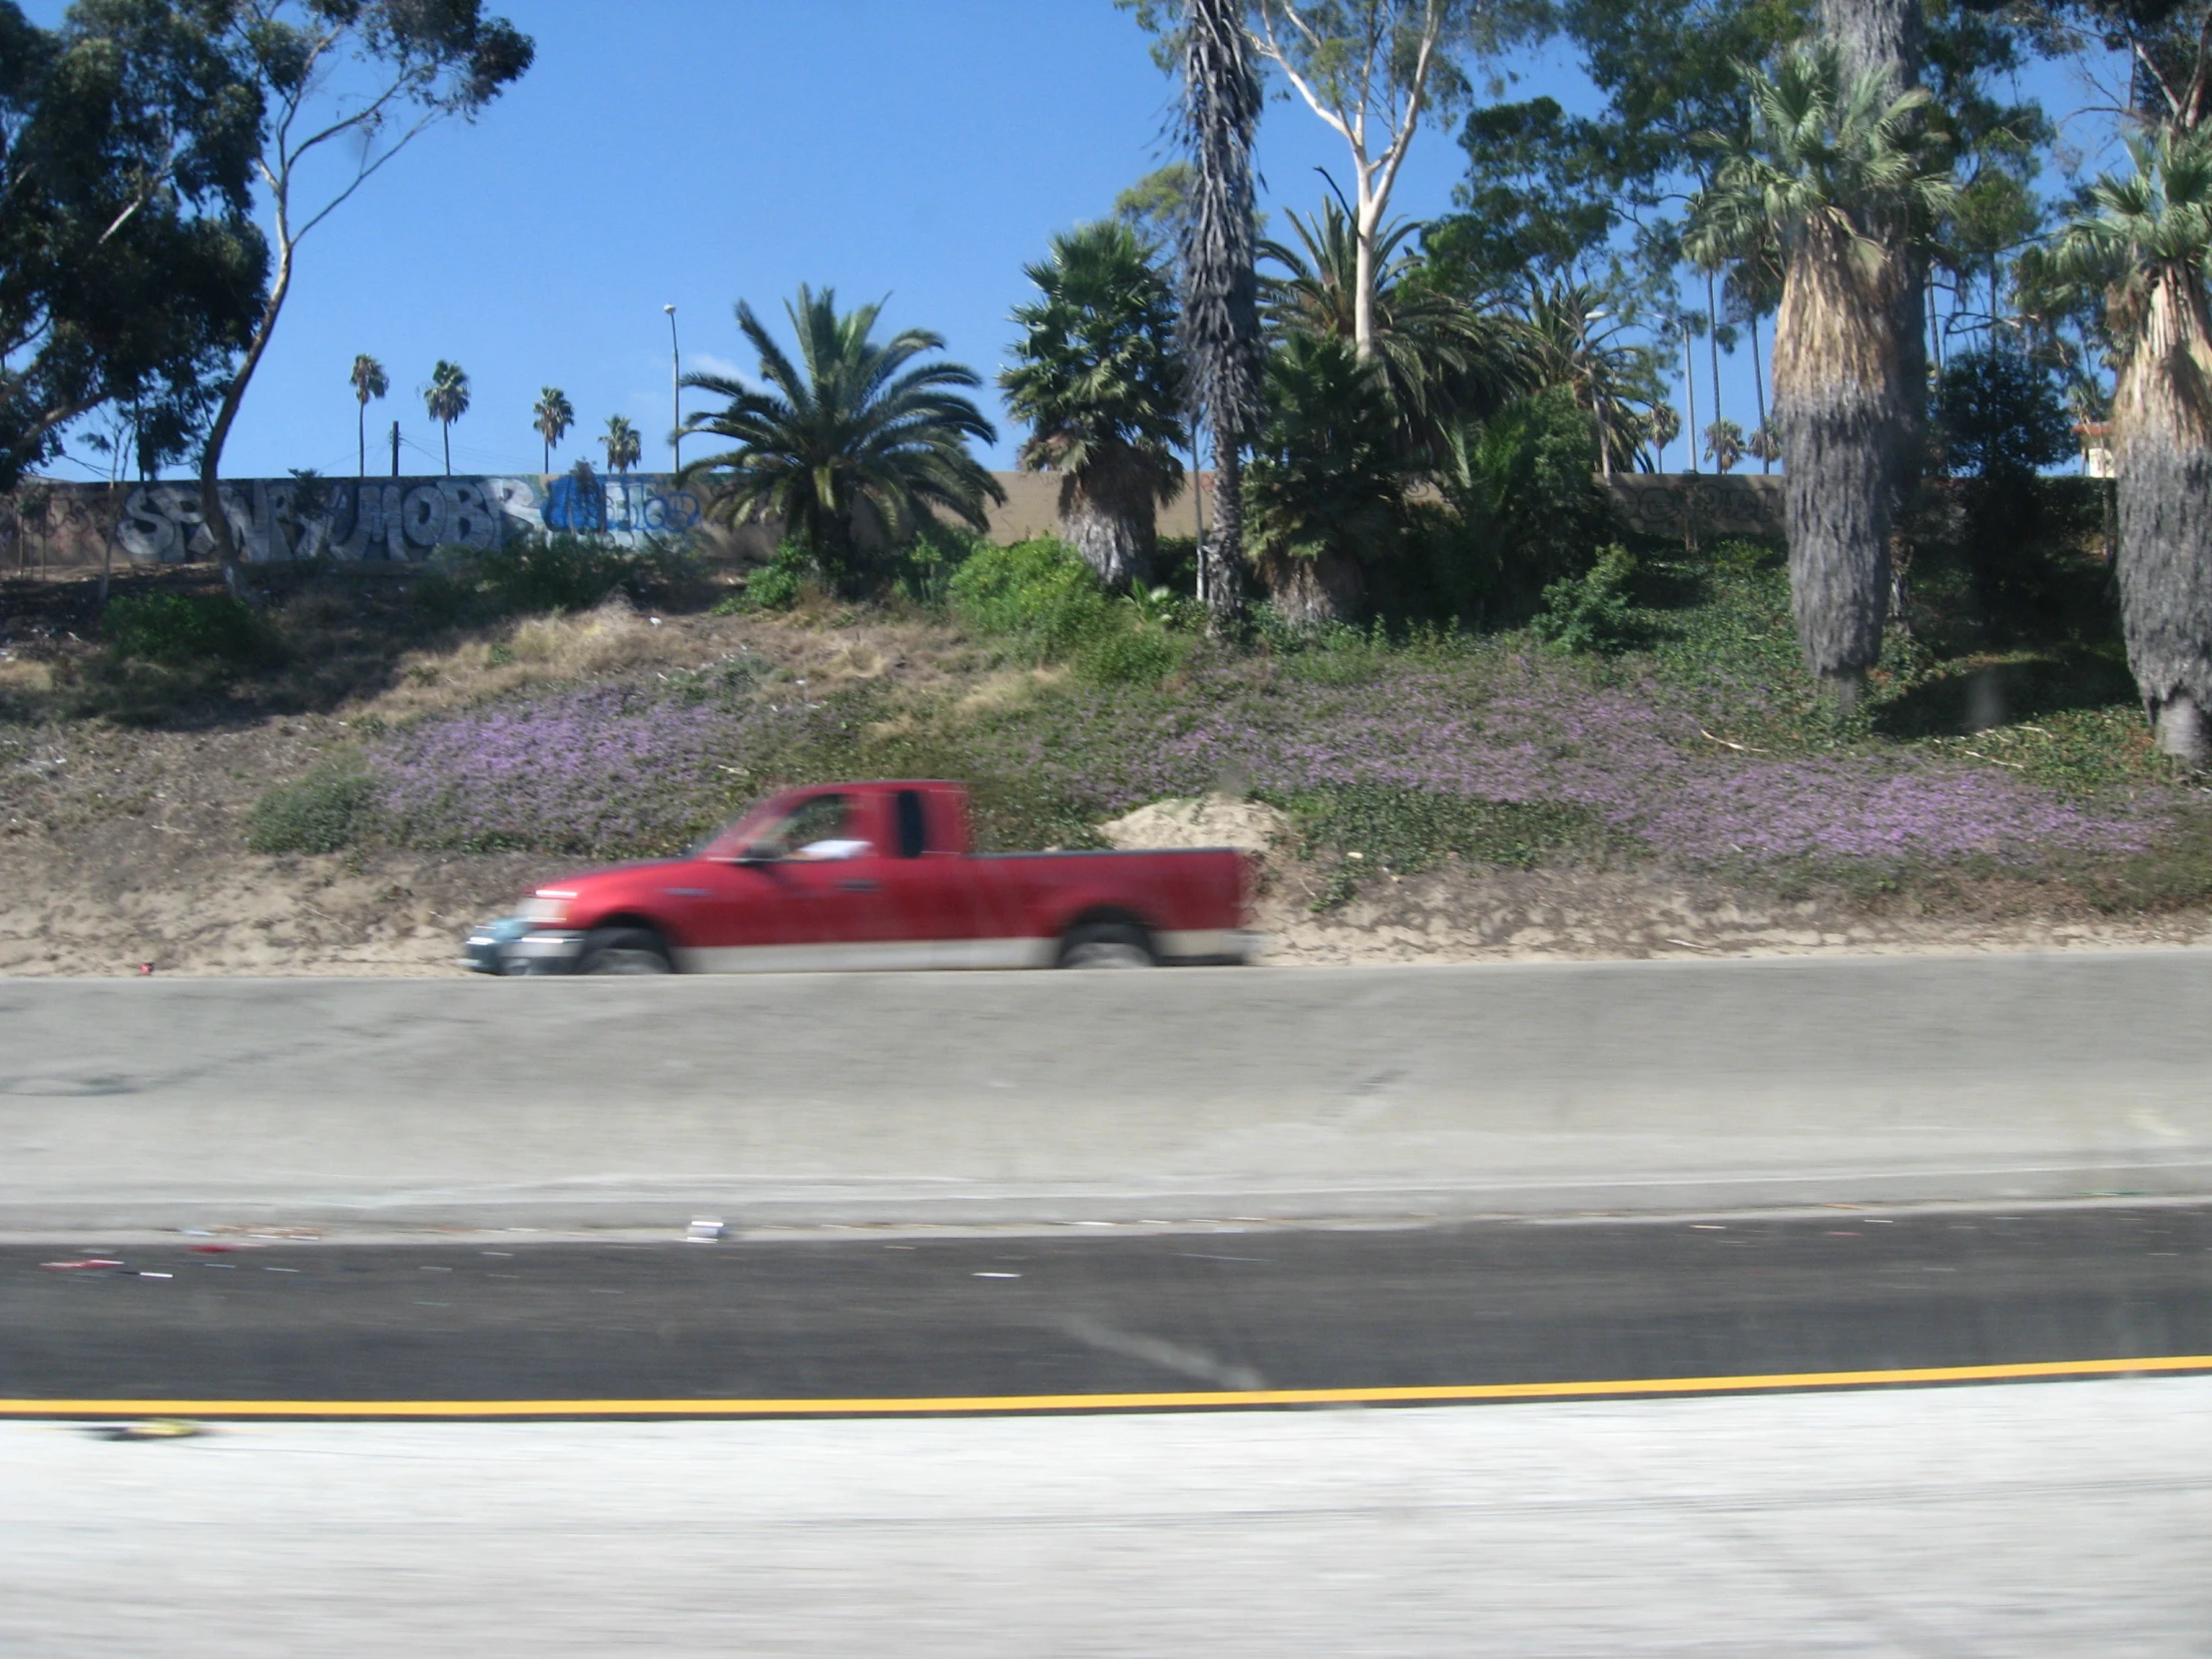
<point>799,895</point>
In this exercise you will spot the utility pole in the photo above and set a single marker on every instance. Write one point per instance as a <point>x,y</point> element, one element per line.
<point>395,449</point>
<point>675,390</point>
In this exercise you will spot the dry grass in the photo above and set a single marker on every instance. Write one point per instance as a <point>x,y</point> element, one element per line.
<point>28,678</point>
<point>615,642</point>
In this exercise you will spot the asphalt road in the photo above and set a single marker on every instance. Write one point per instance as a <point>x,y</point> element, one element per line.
<point>1264,1307</point>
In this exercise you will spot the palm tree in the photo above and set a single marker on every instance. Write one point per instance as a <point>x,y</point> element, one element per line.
<point>1221,289</point>
<point>1764,446</point>
<point>1614,383</point>
<point>555,415</point>
<point>1440,361</point>
<point>1839,174</point>
<point>2147,240</point>
<point>1724,444</point>
<point>856,447</point>
<point>623,444</point>
<point>1098,379</point>
<point>369,381</point>
<point>1660,427</point>
<point>1326,477</point>
<point>446,398</point>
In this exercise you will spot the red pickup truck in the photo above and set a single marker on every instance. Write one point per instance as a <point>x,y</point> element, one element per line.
<point>876,875</point>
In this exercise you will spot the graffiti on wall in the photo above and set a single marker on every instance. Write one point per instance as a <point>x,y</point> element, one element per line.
<point>369,521</point>
<point>1679,504</point>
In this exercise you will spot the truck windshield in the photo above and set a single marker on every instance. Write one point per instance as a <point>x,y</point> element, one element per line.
<point>732,838</point>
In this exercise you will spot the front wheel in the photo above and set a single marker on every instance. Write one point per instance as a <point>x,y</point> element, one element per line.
<point>624,950</point>
<point>1106,945</point>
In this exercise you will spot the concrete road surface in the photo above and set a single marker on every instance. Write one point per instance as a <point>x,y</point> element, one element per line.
<point>973,1097</point>
<point>2019,1523</point>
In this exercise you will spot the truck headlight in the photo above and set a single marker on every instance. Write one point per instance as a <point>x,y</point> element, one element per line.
<point>545,909</point>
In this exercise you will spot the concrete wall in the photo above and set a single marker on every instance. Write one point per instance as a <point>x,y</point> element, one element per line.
<point>368,522</point>
<point>54,527</point>
<point>1118,1096</point>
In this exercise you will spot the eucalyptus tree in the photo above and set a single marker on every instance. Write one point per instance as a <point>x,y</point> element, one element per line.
<point>131,270</point>
<point>368,381</point>
<point>1842,173</point>
<point>553,415</point>
<point>1438,358</point>
<point>1098,380</point>
<point>2147,240</point>
<point>624,444</point>
<point>1375,72</point>
<point>854,446</point>
<point>342,87</point>
<point>1220,116</point>
<point>445,399</point>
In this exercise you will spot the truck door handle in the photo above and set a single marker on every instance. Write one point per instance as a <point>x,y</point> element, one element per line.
<point>857,884</point>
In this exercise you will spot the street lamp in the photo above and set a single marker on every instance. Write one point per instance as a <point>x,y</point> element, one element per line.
<point>675,390</point>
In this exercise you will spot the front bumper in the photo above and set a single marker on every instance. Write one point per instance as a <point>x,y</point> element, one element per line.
<point>512,945</point>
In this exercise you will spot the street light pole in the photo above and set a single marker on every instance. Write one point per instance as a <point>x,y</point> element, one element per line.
<point>675,390</point>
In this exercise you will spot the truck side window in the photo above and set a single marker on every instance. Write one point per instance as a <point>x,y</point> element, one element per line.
<point>913,836</point>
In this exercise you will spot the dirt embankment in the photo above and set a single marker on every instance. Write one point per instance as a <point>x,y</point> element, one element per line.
<point>168,884</point>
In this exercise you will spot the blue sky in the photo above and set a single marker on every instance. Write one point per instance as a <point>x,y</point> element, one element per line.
<point>691,152</point>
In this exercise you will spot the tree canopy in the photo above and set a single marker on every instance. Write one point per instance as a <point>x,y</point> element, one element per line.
<point>130,267</point>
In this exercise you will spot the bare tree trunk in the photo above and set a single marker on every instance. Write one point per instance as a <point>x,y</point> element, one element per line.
<point>1106,515</point>
<point>211,457</point>
<point>1362,297</point>
<point>2163,446</point>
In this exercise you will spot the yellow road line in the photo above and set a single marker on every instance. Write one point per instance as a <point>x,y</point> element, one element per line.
<point>956,1405</point>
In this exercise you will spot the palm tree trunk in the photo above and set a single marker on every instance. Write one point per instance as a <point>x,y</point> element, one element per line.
<point>2162,432</point>
<point>1106,515</point>
<point>1689,387</point>
<point>1759,383</point>
<point>1223,552</point>
<point>1713,339</point>
<point>360,435</point>
<point>1836,364</point>
<point>1885,35</point>
<point>1311,593</point>
<point>445,430</point>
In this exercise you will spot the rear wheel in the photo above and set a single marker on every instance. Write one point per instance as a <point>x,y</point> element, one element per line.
<point>624,950</point>
<point>1106,944</point>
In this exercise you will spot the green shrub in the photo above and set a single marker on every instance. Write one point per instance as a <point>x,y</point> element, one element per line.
<point>776,585</point>
<point>532,574</point>
<point>922,570</point>
<point>191,630</point>
<point>1037,595</point>
<point>1592,612</point>
<point>327,810</point>
<point>1143,654</point>
<point>1522,486</point>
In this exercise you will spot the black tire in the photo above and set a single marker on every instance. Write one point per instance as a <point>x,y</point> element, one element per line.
<point>1106,944</point>
<point>624,950</point>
